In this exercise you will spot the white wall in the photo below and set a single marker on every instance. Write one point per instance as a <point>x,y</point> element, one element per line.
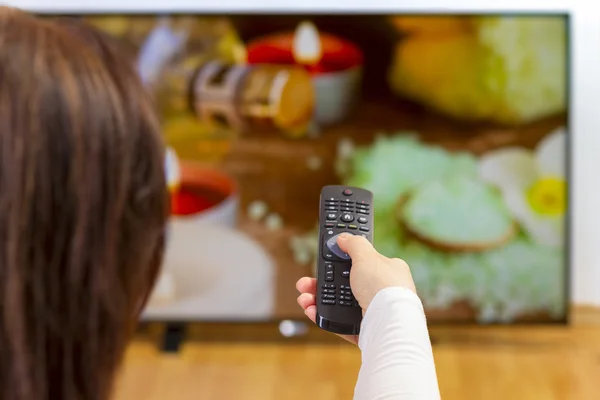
<point>585,154</point>
<point>585,86</point>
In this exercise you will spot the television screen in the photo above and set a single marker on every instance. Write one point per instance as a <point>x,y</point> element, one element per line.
<point>457,123</point>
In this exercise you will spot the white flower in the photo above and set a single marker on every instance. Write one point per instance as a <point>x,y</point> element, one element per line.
<point>533,185</point>
<point>172,169</point>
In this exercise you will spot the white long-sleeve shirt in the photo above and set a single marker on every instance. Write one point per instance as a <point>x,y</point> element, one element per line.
<point>397,358</point>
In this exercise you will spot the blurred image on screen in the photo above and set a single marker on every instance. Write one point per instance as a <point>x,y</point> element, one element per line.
<point>457,124</point>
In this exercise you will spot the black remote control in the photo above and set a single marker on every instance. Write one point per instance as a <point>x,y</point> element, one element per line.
<point>342,209</point>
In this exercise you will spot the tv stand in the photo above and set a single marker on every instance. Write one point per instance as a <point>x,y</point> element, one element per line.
<point>173,337</point>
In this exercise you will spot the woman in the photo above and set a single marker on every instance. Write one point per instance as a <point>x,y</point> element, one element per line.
<point>83,209</point>
<point>83,206</point>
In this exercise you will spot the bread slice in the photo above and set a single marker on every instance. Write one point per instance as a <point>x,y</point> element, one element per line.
<point>458,214</point>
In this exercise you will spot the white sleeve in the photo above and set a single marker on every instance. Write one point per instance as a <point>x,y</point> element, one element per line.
<point>397,358</point>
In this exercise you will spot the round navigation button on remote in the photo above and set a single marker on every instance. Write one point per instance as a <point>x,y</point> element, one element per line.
<point>347,192</point>
<point>347,218</point>
<point>332,245</point>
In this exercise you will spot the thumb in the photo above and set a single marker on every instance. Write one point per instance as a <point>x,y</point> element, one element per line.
<point>355,246</point>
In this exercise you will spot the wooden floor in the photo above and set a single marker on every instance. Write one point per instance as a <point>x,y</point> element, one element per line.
<point>541,363</point>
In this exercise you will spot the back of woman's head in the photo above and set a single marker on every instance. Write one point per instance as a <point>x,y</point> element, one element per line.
<point>83,205</point>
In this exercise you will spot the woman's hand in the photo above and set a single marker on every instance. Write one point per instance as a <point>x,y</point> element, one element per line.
<point>370,273</point>
<point>308,291</point>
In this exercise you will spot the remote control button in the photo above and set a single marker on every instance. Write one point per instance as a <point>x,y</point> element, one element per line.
<point>330,208</point>
<point>330,225</point>
<point>364,203</point>
<point>347,218</point>
<point>328,291</point>
<point>327,301</point>
<point>331,217</point>
<point>347,209</point>
<point>346,274</point>
<point>331,199</point>
<point>349,202</point>
<point>328,267</point>
<point>345,287</point>
<point>352,226</point>
<point>362,220</point>
<point>362,207</point>
<point>349,298</point>
<point>332,245</point>
<point>329,296</point>
<point>347,192</point>
<point>345,303</point>
<point>330,232</point>
<point>329,278</point>
<point>362,212</point>
<point>341,225</point>
<point>326,286</point>
<point>328,256</point>
<point>364,229</point>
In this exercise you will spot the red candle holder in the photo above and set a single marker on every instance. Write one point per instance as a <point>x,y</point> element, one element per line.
<point>206,195</point>
<point>336,76</point>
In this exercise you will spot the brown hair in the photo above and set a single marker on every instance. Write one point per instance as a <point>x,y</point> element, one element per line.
<point>83,206</point>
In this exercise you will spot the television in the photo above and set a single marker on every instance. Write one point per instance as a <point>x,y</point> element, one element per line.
<point>458,123</point>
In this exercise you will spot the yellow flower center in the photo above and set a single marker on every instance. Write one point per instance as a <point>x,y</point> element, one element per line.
<point>548,196</point>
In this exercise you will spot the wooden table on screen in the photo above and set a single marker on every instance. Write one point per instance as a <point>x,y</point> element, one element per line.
<point>274,169</point>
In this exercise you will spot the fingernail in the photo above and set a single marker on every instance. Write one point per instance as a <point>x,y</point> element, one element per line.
<point>344,236</point>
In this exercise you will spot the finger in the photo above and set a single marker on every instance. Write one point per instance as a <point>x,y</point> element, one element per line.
<point>311,313</point>
<point>356,246</point>
<point>307,285</point>
<point>306,300</point>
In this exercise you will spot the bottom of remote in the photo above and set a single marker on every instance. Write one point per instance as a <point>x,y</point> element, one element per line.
<point>336,327</point>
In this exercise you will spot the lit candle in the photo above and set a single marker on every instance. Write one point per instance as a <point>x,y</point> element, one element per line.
<point>335,65</point>
<point>306,47</point>
<point>172,170</point>
<point>186,198</point>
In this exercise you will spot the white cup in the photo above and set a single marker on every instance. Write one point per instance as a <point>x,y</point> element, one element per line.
<point>337,94</point>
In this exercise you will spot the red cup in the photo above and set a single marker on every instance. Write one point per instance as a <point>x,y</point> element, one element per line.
<point>205,194</point>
